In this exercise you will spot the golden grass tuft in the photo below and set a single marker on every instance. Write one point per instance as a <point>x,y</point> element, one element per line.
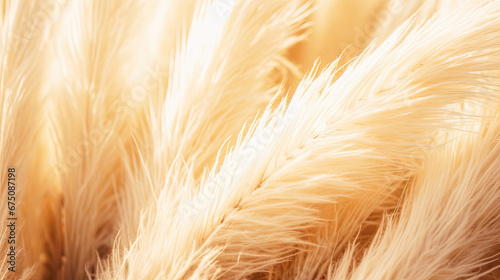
<point>251,139</point>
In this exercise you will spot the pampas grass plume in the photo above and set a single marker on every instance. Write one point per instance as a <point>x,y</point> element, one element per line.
<point>251,139</point>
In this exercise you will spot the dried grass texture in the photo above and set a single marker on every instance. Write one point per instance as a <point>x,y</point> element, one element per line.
<point>180,139</point>
<point>224,71</point>
<point>23,143</point>
<point>260,207</point>
<point>93,103</point>
<point>450,223</point>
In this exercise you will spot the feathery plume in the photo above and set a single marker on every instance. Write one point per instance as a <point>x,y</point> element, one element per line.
<point>27,184</point>
<point>93,102</point>
<point>314,263</point>
<point>339,141</point>
<point>223,72</point>
<point>450,224</point>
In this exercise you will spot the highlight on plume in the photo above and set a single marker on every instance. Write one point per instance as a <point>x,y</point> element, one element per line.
<point>250,139</point>
<point>185,126</point>
<point>29,206</point>
<point>92,103</point>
